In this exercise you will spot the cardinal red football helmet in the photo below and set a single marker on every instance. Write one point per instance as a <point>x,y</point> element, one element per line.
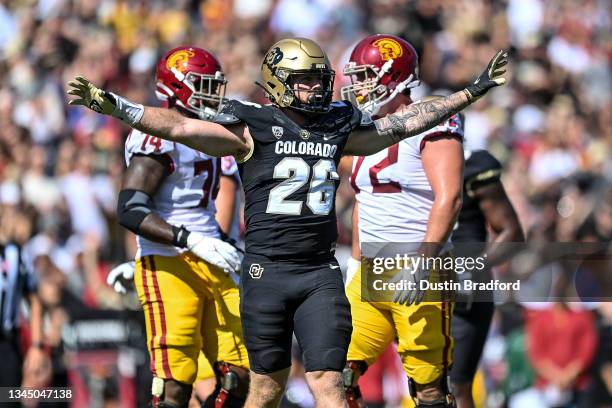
<point>191,78</point>
<point>380,67</point>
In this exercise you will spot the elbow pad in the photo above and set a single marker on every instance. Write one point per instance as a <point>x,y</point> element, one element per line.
<point>132,208</point>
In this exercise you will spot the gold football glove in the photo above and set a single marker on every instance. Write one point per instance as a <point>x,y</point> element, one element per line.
<point>91,96</point>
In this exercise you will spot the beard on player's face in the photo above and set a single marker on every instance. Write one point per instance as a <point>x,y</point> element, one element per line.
<point>305,91</point>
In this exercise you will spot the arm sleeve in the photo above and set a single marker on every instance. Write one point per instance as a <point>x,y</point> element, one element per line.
<point>235,111</point>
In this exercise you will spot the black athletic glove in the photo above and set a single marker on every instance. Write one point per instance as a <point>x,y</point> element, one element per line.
<point>490,78</point>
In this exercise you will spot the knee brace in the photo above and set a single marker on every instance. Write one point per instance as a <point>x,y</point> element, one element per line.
<point>447,401</point>
<point>231,389</point>
<point>350,379</point>
<point>157,391</point>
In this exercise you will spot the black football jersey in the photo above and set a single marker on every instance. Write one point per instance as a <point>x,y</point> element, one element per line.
<point>290,180</point>
<point>480,168</point>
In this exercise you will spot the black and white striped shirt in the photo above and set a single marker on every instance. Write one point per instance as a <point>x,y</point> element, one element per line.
<point>16,280</point>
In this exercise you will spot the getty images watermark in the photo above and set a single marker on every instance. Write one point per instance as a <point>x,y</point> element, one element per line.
<point>414,266</point>
<point>485,272</point>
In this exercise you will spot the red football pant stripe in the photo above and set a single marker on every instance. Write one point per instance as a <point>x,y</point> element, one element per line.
<point>162,318</point>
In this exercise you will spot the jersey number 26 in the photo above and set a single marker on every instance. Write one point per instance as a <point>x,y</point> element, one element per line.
<point>296,171</point>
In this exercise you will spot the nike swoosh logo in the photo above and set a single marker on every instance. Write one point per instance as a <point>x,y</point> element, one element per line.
<point>332,266</point>
<point>326,138</point>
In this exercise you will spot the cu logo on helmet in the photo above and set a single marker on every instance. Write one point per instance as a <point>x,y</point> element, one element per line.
<point>256,270</point>
<point>274,56</point>
<point>388,48</point>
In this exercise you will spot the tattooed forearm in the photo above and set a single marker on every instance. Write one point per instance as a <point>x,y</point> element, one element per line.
<point>418,117</point>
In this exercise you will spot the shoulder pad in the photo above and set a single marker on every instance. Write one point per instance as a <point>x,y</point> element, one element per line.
<point>226,119</point>
<point>341,117</point>
<point>253,114</point>
<point>356,117</point>
<point>340,104</point>
<point>247,103</point>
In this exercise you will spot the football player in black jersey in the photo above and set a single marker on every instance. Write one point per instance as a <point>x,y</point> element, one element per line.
<point>288,152</point>
<point>484,203</point>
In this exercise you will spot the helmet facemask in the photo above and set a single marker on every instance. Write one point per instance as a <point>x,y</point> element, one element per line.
<point>318,100</point>
<point>207,93</point>
<point>366,79</point>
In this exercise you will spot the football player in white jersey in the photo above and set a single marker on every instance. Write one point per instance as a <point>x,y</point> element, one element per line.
<point>407,193</point>
<point>184,273</point>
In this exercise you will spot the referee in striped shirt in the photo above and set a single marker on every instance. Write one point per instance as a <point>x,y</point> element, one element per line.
<point>18,281</point>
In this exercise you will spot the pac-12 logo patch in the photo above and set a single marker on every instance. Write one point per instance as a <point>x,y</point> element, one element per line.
<point>277,131</point>
<point>256,270</point>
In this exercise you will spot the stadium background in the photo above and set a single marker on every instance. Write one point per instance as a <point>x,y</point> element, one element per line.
<point>60,167</point>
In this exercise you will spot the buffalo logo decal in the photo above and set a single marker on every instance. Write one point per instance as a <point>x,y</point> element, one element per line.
<point>274,57</point>
<point>256,270</point>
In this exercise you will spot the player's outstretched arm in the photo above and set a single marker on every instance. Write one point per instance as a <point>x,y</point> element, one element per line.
<point>416,118</point>
<point>207,137</point>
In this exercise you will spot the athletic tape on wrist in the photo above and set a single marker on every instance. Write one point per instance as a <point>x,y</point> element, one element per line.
<point>125,110</point>
<point>180,236</point>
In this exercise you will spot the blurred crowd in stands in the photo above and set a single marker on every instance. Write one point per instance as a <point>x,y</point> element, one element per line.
<point>551,127</point>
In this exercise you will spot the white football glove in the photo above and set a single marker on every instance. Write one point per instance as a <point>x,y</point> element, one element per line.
<point>215,251</point>
<point>407,296</point>
<point>121,276</point>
